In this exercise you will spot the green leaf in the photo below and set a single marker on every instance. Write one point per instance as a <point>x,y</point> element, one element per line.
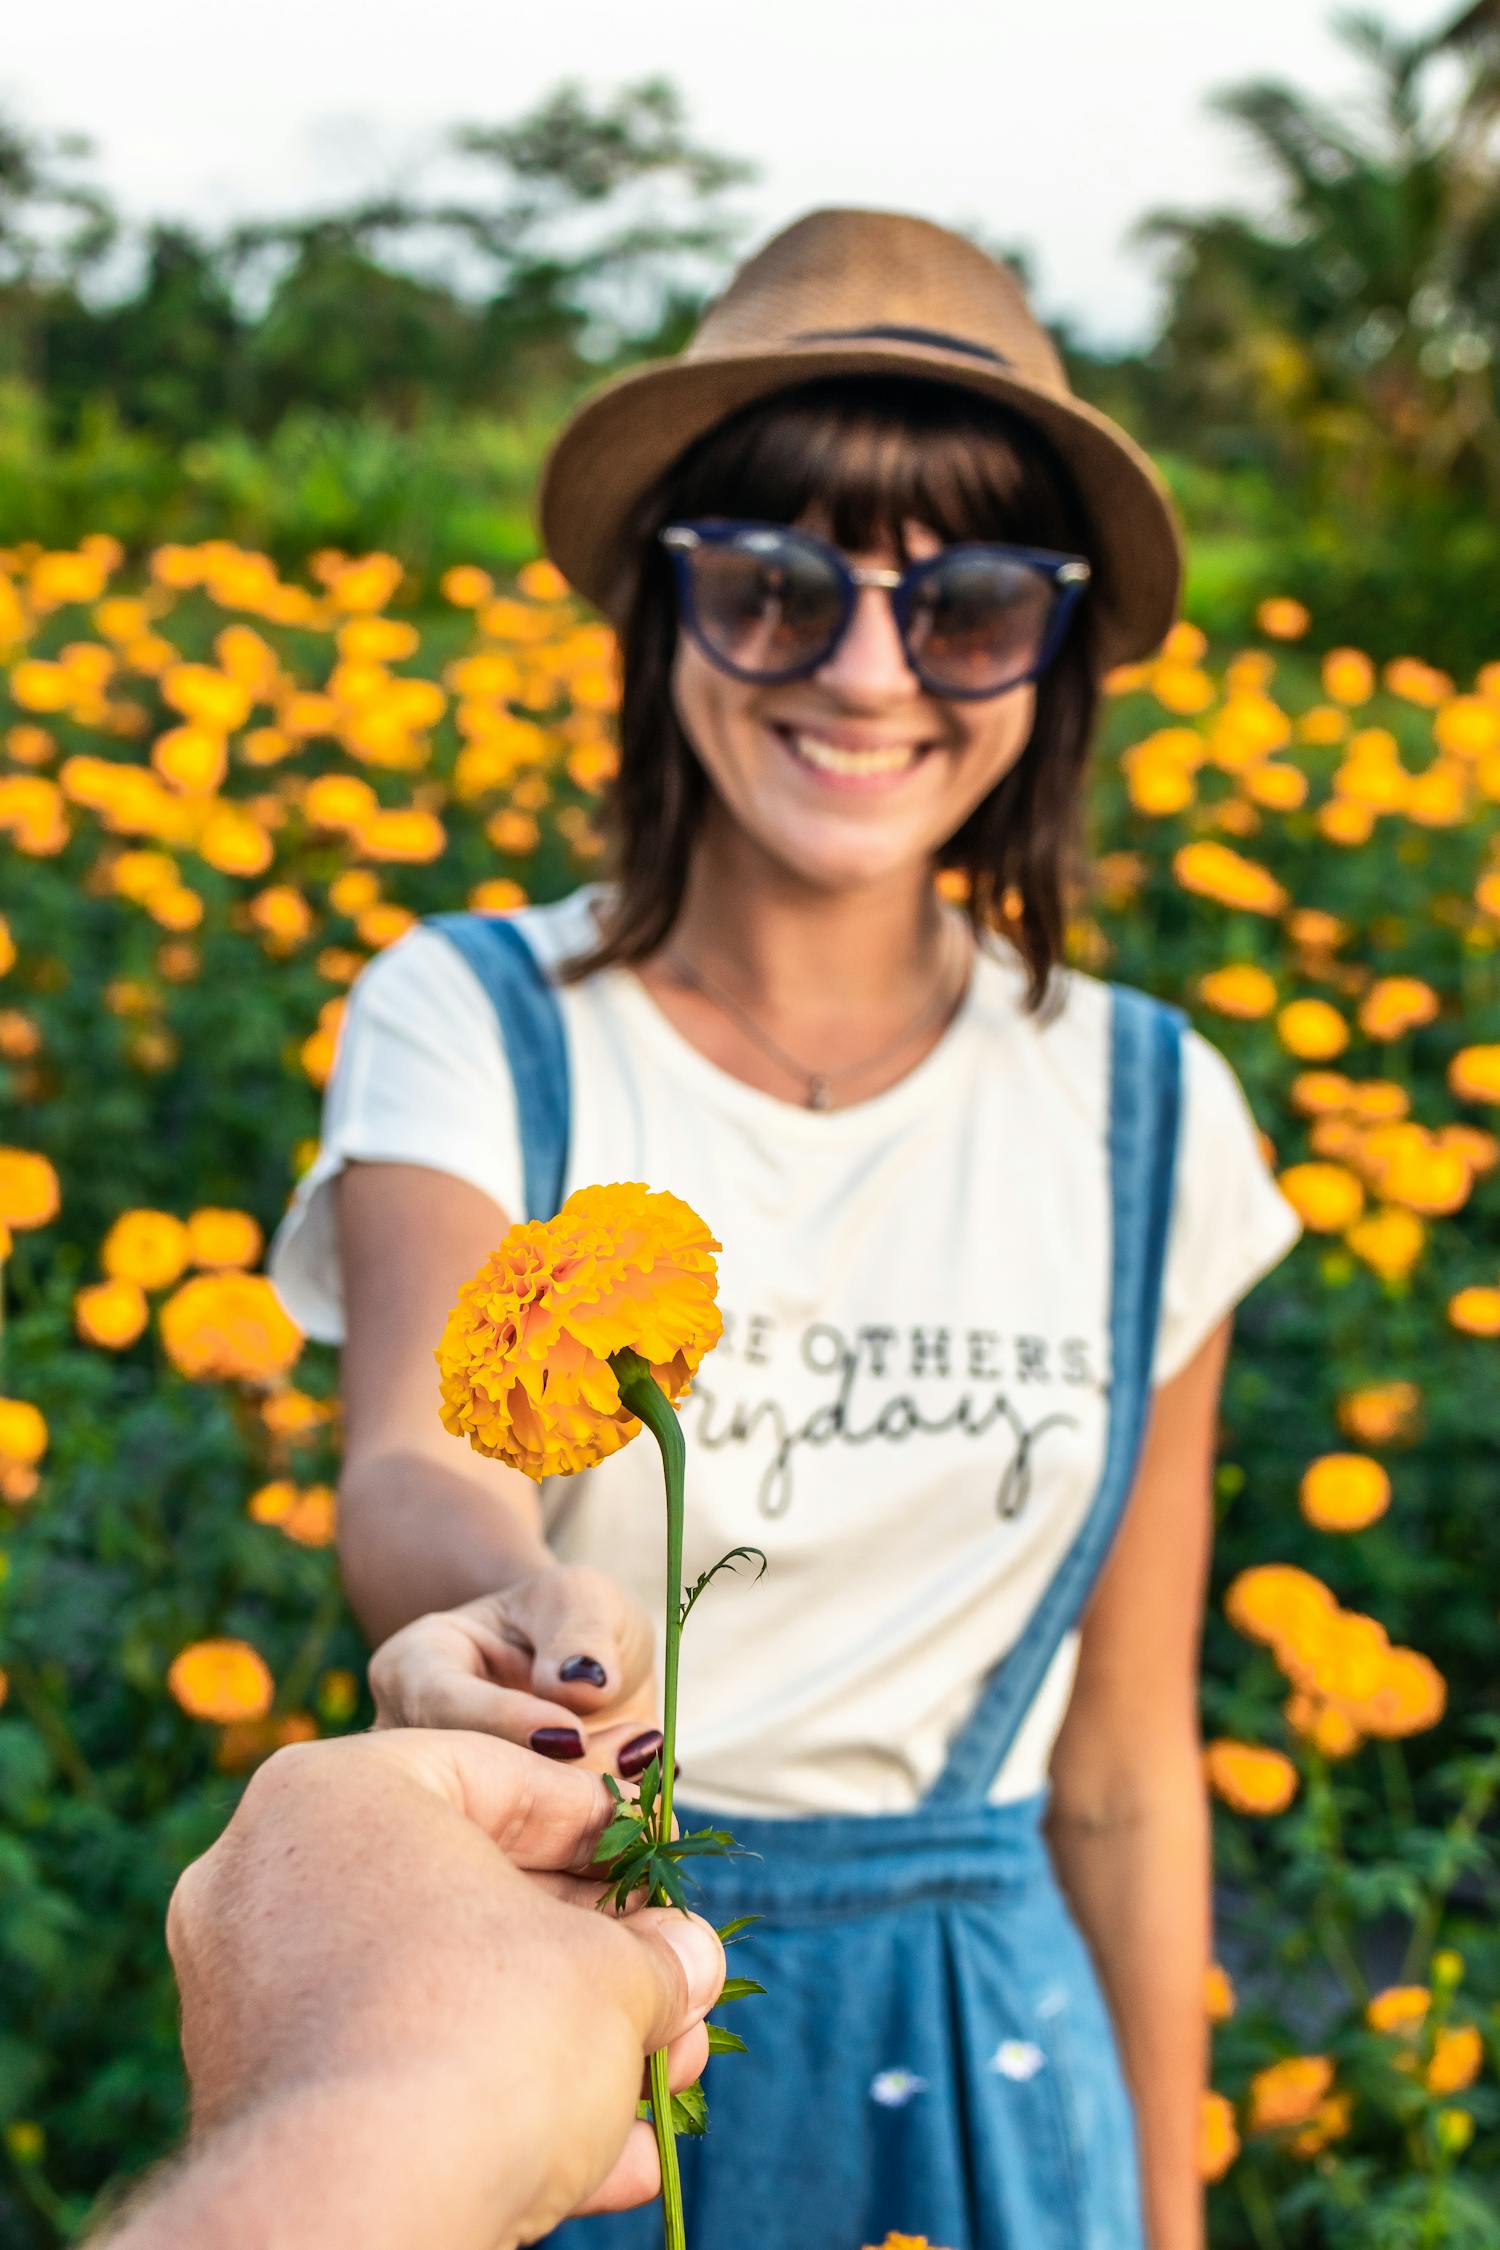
<point>690,2112</point>
<point>738,1988</point>
<point>725,1562</point>
<point>729,1931</point>
<point>722,2042</point>
<point>650,1785</point>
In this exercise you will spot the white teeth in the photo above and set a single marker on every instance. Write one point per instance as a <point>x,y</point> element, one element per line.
<point>833,760</point>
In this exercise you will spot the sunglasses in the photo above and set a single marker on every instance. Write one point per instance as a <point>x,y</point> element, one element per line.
<point>766,603</point>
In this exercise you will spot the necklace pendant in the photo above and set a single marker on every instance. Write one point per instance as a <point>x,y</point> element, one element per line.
<point>817,1093</point>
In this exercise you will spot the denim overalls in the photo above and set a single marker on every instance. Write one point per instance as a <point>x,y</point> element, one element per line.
<point>934,2055</point>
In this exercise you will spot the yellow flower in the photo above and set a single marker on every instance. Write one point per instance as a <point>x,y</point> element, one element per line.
<point>1474,1074</point>
<point>149,1247</point>
<point>1399,2009</point>
<point>1380,1413</point>
<point>111,1313</point>
<point>1321,1093</point>
<point>1312,1030</point>
<point>1218,2138</point>
<point>1457,2053</point>
<point>221,1680</point>
<point>1281,618</point>
<point>524,1359</point>
<point>1249,1778</point>
<point>1344,1492</point>
<point>29,1194</point>
<point>466,586</point>
<point>1409,1695</point>
<point>1390,1242</point>
<point>1348,676</point>
<point>23,1433</point>
<point>1218,1993</point>
<point>1329,2122</point>
<point>1277,1603</point>
<point>221,1238</point>
<point>1396,1005</point>
<point>228,1328</point>
<point>1327,1726</point>
<point>1239,989</point>
<point>304,1513</point>
<point>1327,1197</point>
<point>1289,2092</point>
<point>1342,821</point>
<point>1214,871</point>
<point>1476,1311</point>
<point>498,895</point>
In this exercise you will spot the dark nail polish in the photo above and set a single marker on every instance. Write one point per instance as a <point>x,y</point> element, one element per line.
<point>587,1668</point>
<point>635,1755</point>
<point>558,1742</point>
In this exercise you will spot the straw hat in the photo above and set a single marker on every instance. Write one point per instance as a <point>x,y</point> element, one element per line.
<point>847,292</point>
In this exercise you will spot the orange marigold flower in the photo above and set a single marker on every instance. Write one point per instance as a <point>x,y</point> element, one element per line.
<point>29,1193</point>
<point>1312,1030</point>
<point>524,1359</point>
<point>1329,2122</point>
<point>1474,1074</point>
<point>405,833</point>
<point>1321,1093</point>
<point>1400,2009</point>
<point>1466,726</point>
<point>23,1433</point>
<point>223,1238</point>
<point>1281,618</point>
<point>111,1313</point>
<point>1380,1413</point>
<point>1348,676</point>
<point>1327,1726</point>
<point>1326,1197</point>
<point>1277,1602</point>
<point>292,1413</point>
<point>1289,2092</point>
<point>1390,1242</point>
<point>1457,2054</point>
<point>1239,989</point>
<point>381,924</point>
<point>1218,1993</point>
<point>1476,1311</point>
<point>228,1328</point>
<point>1213,871</point>
<point>1248,1778</point>
<point>1344,1491</point>
<point>150,1247</point>
<point>1409,1696</point>
<point>221,1680</point>
<point>304,1513</point>
<point>1218,2136</point>
<point>498,895</point>
<point>466,586</point>
<point>1396,1005</point>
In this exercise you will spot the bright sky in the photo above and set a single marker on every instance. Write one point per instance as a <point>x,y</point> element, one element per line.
<point>1050,123</point>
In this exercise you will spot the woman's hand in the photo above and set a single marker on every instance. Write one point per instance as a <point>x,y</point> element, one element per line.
<point>561,1661</point>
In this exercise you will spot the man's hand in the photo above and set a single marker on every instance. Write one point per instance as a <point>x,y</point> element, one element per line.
<point>561,1661</point>
<point>404,2016</point>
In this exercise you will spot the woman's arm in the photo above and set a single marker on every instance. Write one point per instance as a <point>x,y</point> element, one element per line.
<point>442,1550</point>
<point>1128,1820</point>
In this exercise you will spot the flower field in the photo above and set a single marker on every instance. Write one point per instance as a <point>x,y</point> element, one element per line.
<point>222,789</point>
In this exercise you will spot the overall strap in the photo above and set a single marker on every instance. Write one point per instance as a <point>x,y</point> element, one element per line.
<point>531,1033</point>
<point>1145,1102</point>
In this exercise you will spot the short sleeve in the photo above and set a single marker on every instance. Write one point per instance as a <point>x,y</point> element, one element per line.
<point>419,1077</point>
<point>1230,1222</point>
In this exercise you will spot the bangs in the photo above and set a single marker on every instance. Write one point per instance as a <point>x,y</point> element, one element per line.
<point>866,456</point>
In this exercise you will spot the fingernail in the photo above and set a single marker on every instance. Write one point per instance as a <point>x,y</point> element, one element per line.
<point>586,1668</point>
<point>636,1754</point>
<point>558,1742</point>
<point>702,1956</point>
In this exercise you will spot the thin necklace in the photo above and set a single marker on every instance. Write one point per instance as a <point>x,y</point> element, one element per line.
<point>819,1083</point>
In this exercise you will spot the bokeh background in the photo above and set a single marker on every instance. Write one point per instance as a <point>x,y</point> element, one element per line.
<point>280,670</point>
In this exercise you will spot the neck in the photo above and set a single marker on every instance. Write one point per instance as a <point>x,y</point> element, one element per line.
<point>758,929</point>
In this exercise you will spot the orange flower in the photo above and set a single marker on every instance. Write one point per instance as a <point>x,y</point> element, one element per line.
<point>1278,1604</point>
<point>1213,871</point>
<point>1329,2122</point>
<point>292,1413</point>
<point>466,586</point>
<point>1457,2053</point>
<point>111,1313</point>
<point>1281,618</point>
<point>1249,1778</point>
<point>244,1742</point>
<point>1380,1413</point>
<point>1342,821</point>
<point>1321,1093</point>
<point>149,1247</point>
<point>221,1680</point>
<point>305,1514</point>
<point>1327,1726</point>
<point>29,1193</point>
<point>1312,1030</point>
<point>1218,2139</point>
<point>1409,1696</point>
<point>1289,2092</point>
<point>223,1238</point>
<point>228,1328</point>
<point>1239,989</point>
<point>524,1359</point>
<point>1396,1005</point>
<point>1318,931</point>
<point>1474,1074</point>
<point>1390,1242</point>
<point>499,895</point>
<point>23,1434</point>
<point>1326,1197</point>
<point>1348,676</point>
<point>1218,1993</point>
<point>1344,1492</point>
<point>1401,2009</point>
<point>1476,1311</point>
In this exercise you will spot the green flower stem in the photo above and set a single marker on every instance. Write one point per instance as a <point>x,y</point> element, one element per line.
<point>640,1391</point>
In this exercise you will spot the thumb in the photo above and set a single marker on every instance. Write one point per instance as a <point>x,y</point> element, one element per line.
<point>591,1642</point>
<point>680,1972</point>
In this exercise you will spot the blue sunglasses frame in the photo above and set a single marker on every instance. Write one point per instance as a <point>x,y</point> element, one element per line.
<point>1069,575</point>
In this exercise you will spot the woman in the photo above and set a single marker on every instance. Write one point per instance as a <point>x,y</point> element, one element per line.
<point>984,1224</point>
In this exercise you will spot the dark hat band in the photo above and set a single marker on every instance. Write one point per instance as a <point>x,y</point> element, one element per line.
<point>937,336</point>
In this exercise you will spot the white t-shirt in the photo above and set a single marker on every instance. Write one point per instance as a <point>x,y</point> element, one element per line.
<point>907,1409</point>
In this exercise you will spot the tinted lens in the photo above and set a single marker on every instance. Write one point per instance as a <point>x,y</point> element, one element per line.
<point>977,622</point>
<point>764,602</point>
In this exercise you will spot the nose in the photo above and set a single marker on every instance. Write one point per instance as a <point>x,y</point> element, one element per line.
<point>868,664</point>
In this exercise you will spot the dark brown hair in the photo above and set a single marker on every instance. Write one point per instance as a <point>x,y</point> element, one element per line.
<point>870,454</point>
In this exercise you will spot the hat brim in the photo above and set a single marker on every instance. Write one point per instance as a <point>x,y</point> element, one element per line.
<point>630,432</point>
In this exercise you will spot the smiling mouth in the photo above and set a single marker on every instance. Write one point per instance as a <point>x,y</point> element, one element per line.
<point>829,758</point>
